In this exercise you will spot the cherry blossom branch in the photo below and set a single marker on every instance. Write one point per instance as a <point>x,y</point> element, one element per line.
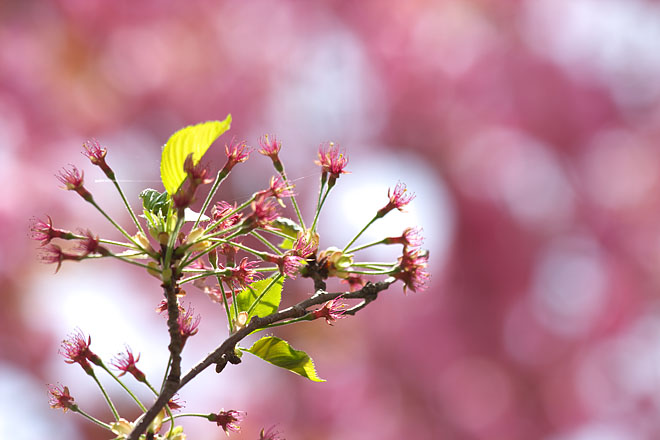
<point>225,351</point>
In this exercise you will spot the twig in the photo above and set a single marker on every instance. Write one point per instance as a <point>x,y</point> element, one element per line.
<point>225,351</point>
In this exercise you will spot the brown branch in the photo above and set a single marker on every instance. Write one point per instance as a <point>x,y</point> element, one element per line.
<point>226,350</point>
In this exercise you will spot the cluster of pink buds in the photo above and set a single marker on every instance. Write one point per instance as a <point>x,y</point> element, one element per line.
<point>238,253</point>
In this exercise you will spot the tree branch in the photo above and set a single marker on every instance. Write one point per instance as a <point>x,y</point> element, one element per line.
<point>225,350</point>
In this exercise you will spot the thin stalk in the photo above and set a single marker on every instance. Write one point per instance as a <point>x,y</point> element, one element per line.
<point>91,418</point>
<point>206,416</point>
<point>172,241</point>
<point>319,203</point>
<point>135,263</point>
<point>167,371</point>
<point>233,300</point>
<point>203,275</point>
<point>105,395</point>
<point>364,272</point>
<point>103,240</point>
<point>226,216</point>
<point>222,174</point>
<point>360,233</point>
<point>292,321</point>
<point>128,206</point>
<point>364,246</point>
<point>366,264</point>
<point>238,245</point>
<point>278,233</point>
<point>256,301</point>
<point>267,269</point>
<point>118,380</point>
<point>294,203</point>
<point>266,242</point>
<point>116,225</point>
<point>224,301</point>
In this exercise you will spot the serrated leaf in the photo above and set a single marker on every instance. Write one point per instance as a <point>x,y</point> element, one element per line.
<point>279,353</point>
<point>287,226</point>
<point>154,201</point>
<point>195,139</point>
<point>268,304</point>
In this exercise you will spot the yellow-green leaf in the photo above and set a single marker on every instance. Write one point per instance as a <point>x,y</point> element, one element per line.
<point>195,139</point>
<point>269,302</point>
<point>279,353</point>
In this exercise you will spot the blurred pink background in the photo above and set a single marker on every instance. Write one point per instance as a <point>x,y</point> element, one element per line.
<point>528,130</point>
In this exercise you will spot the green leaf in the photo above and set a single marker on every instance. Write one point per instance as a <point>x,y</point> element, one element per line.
<point>155,202</point>
<point>278,352</point>
<point>195,139</point>
<point>268,304</point>
<point>289,228</point>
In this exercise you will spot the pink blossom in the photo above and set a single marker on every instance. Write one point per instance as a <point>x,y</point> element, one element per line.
<point>237,152</point>
<point>398,199</point>
<point>264,212</point>
<point>59,397</point>
<point>332,160</point>
<point>331,311</point>
<point>412,269</point>
<point>53,254</point>
<point>75,349</point>
<point>243,274</point>
<point>228,420</point>
<point>270,146</point>
<point>73,180</point>
<point>411,237</point>
<point>188,323</point>
<point>278,189</point>
<point>44,231</point>
<point>125,362</point>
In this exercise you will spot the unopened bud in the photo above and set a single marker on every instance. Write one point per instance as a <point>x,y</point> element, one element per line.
<point>143,241</point>
<point>241,320</point>
<point>163,238</point>
<point>153,269</point>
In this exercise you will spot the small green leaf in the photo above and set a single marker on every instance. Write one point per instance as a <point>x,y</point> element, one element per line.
<point>287,226</point>
<point>155,202</point>
<point>279,353</point>
<point>268,304</point>
<point>195,139</point>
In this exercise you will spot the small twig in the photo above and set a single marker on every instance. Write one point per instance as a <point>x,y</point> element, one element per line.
<point>225,352</point>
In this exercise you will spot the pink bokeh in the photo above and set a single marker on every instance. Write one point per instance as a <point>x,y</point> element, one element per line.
<point>528,130</point>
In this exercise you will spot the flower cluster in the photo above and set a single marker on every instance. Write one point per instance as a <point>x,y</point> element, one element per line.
<point>238,254</point>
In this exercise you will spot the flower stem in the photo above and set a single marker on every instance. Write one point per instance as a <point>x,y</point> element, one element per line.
<point>294,203</point>
<point>205,416</point>
<point>91,418</point>
<point>167,371</point>
<point>319,207</point>
<point>105,395</point>
<point>291,321</point>
<point>128,206</point>
<point>364,246</point>
<point>119,381</point>
<point>116,225</point>
<point>266,242</point>
<point>360,233</point>
<point>222,174</point>
<point>226,304</point>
